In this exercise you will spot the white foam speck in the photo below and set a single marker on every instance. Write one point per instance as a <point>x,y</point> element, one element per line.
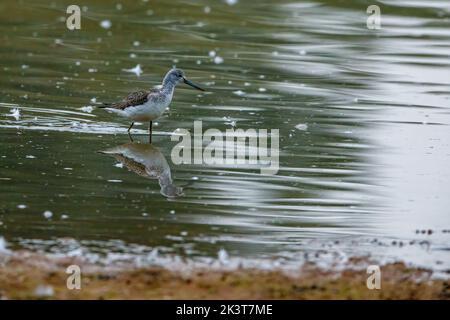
<point>15,113</point>
<point>94,100</point>
<point>136,70</point>
<point>262,89</point>
<point>231,2</point>
<point>212,53</point>
<point>30,156</point>
<point>64,216</point>
<point>207,9</point>
<point>87,109</point>
<point>48,214</point>
<point>218,60</point>
<point>223,257</point>
<point>118,165</point>
<point>3,245</point>
<point>115,181</point>
<point>302,126</point>
<point>22,206</point>
<point>106,24</point>
<point>239,92</point>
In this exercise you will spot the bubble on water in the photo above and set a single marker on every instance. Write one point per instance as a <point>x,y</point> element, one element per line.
<point>247,84</point>
<point>47,214</point>
<point>30,156</point>
<point>115,180</point>
<point>212,53</point>
<point>218,60</point>
<point>194,178</point>
<point>133,55</point>
<point>92,70</point>
<point>302,126</point>
<point>136,43</point>
<point>136,70</point>
<point>119,6</point>
<point>262,89</point>
<point>93,100</point>
<point>25,66</point>
<point>231,2</point>
<point>145,214</point>
<point>106,24</point>
<point>184,233</point>
<point>44,291</point>
<point>21,206</point>
<point>199,62</point>
<point>172,211</point>
<point>118,165</point>
<point>206,9</point>
<point>64,216</point>
<point>302,52</point>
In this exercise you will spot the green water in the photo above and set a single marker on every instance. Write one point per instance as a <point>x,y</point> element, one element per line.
<point>363,116</point>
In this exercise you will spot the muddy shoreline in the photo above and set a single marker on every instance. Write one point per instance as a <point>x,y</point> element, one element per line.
<point>27,275</point>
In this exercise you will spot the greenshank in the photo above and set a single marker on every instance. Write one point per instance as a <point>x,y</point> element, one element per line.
<point>148,105</point>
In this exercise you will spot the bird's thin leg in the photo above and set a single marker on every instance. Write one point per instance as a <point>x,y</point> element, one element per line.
<point>130,127</point>
<point>150,125</point>
<point>130,136</point>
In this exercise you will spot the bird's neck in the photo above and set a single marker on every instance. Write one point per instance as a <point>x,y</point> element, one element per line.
<point>168,86</point>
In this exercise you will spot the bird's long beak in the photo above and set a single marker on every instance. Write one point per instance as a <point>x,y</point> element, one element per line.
<point>193,85</point>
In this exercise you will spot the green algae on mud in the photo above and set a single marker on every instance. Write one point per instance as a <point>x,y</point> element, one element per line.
<point>23,273</point>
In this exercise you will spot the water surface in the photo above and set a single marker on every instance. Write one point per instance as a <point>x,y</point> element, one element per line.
<point>363,116</point>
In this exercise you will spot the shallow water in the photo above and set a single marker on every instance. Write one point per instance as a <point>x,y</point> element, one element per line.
<point>363,115</point>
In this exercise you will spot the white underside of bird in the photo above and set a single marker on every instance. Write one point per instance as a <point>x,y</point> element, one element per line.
<point>149,111</point>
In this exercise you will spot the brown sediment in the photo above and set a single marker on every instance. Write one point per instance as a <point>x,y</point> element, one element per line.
<point>21,274</point>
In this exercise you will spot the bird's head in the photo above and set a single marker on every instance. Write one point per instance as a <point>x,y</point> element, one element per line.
<point>176,76</point>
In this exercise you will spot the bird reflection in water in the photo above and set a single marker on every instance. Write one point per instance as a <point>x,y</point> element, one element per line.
<point>147,161</point>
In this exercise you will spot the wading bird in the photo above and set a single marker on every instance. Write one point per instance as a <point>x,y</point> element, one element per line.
<point>148,105</point>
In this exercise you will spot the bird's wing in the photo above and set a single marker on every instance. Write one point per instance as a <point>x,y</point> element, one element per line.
<point>133,99</point>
